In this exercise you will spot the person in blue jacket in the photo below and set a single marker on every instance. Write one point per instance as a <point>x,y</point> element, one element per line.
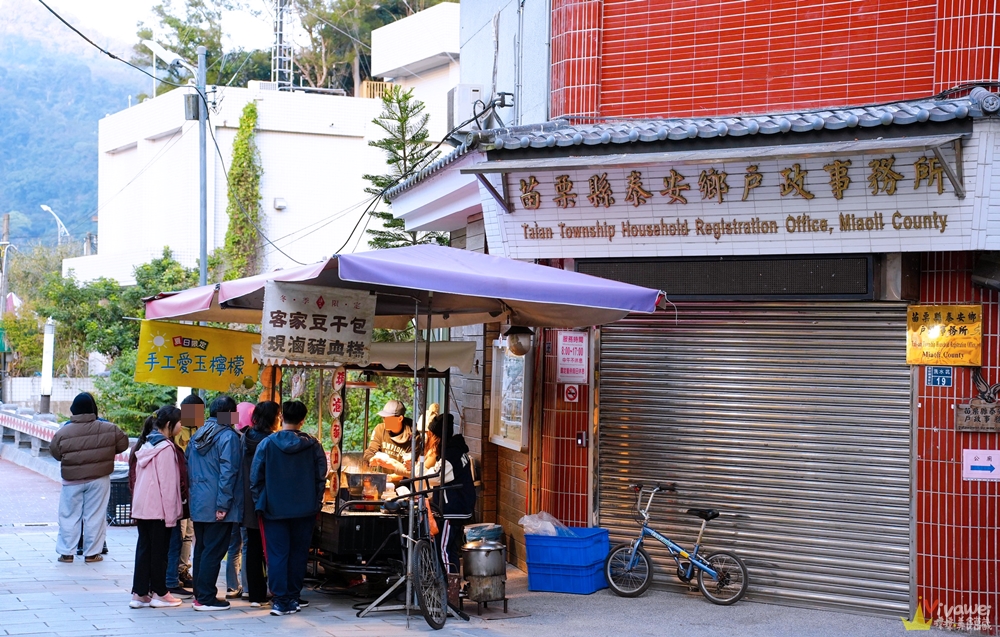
<point>216,501</point>
<point>287,481</point>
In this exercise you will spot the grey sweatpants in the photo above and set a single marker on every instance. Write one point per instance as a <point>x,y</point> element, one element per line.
<point>87,502</point>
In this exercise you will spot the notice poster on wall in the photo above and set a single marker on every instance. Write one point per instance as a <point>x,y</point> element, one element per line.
<point>980,465</point>
<point>944,335</point>
<point>572,357</point>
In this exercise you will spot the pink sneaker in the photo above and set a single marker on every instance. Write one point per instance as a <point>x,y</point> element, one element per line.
<point>167,601</point>
<point>139,602</point>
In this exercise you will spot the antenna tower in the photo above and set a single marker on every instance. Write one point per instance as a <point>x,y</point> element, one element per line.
<point>281,53</point>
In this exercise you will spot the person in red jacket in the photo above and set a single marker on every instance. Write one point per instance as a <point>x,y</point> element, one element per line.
<point>157,505</point>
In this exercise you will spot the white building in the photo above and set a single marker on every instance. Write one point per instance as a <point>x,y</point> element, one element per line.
<point>313,151</point>
<point>421,52</point>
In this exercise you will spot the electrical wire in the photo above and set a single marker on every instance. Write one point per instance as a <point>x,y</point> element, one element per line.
<point>103,50</point>
<point>239,204</point>
<point>173,141</point>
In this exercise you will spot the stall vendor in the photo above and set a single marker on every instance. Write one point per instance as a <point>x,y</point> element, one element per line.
<point>391,441</point>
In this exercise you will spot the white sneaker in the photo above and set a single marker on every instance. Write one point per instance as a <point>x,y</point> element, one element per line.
<point>139,602</point>
<point>167,601</point>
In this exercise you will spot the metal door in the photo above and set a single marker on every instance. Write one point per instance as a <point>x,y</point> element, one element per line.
<point>792,419</point>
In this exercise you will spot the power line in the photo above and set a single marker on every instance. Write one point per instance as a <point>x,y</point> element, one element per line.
<point>103,50</point>
<point>239,204</point>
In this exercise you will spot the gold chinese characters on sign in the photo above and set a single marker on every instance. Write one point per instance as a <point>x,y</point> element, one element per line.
<point>944,335</point>
<point>793,180</point>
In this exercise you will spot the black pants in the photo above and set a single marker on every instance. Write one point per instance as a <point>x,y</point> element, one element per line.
<point>450,542</point>
<point>287,553</point>
<point>256,567</point>
<point>151,558</point>
<point>211,541</point>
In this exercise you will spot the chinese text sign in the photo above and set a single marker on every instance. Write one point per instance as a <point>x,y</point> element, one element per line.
<point>194,356</point>
<point>944,335</point>
<point>572,357</point>
<point>313,324</point>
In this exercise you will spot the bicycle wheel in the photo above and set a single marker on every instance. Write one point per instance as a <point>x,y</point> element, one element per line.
<point>432,589</point>
<point>732,582</point>
<point>625,581</point>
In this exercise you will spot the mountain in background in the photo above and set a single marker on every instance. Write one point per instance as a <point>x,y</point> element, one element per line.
<point>54,88</point>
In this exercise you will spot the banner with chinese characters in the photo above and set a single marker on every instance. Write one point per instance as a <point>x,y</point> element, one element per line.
<point>314,324</point>
<point>944,335</point>
<point>194,356</point>
<point>856,202</point>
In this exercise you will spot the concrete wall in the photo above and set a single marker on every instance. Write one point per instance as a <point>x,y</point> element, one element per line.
<point>521,42</point>
<point>313,151</point>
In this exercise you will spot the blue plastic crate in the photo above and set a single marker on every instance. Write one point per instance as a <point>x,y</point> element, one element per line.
<point>580,580</point>
<point>584,548</point>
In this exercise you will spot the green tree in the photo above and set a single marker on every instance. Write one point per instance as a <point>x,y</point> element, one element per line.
<point>124,401</point>
<point>241,255</point>
<point>24,338</point>
<point>407,150</point>
<point>199,23</point>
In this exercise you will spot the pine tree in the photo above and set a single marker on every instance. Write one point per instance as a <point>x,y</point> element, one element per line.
<point>408,151</point>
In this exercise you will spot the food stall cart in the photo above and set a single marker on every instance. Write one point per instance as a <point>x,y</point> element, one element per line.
<point>353,536</point>
<point>429,286</point>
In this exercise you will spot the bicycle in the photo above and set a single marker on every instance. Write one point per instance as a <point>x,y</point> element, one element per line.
<point>423,570</point>
<point>722,576</point>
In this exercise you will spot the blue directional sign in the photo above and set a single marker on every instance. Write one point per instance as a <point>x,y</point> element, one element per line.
<point>938,376</point>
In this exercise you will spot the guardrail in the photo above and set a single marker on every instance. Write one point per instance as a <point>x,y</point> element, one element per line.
<point>23,425</point>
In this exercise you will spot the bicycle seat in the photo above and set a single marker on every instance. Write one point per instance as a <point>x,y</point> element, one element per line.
<point>704,514</point>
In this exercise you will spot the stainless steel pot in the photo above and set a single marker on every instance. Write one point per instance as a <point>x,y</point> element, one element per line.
<point>484,558</point>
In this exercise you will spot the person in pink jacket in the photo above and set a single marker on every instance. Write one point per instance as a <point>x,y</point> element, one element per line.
<point>156,507</point>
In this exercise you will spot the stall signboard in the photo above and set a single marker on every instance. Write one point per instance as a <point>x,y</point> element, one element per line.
<point>194,356</point>
<point>319,325</point>
<point>572,357</point>
<point>944,335</point>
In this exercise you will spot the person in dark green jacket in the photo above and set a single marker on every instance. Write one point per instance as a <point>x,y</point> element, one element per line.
<point>287,481</point>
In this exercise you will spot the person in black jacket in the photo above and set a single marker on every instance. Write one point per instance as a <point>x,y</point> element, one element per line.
<point>453,506</point>
<point>287,481</point>
<point>265,420</point>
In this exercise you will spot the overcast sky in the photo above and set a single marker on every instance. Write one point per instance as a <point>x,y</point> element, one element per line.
<point>117,19</point>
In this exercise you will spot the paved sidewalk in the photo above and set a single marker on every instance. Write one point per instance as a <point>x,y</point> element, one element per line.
<point>39,596</point>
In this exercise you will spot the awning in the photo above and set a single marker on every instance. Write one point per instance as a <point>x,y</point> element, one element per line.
<point>444,355</point>
<point>457,287</point>
<point>638,159</point>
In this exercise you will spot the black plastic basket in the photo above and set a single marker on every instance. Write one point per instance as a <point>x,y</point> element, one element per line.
<point>120,504</point>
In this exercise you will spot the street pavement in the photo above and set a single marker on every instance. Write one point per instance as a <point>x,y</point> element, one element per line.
<point>39,596</point>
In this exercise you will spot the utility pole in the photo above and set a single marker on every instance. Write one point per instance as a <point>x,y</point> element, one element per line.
<point>202,167</point>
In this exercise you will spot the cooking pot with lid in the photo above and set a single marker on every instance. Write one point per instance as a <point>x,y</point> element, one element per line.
<point>484,558</point>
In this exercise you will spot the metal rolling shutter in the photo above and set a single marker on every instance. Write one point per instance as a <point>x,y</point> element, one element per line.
<point>792,419</point>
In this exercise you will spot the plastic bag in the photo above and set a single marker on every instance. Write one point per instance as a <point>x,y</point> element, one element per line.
<point>543,523</point>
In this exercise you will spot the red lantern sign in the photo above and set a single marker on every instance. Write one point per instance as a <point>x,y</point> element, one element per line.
<point>336,406</point>
<point>336,431</point>
<point>339,378</point>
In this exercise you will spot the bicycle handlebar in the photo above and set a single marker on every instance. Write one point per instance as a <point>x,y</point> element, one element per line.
<point>397,503</point>
<point>405,482</point>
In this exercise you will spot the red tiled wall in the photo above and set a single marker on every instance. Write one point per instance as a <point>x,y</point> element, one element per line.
<point>576,41</point>
<point>564,464</point>
<point>958,560</point>
<point>702,57</point>
<point>967,48</point>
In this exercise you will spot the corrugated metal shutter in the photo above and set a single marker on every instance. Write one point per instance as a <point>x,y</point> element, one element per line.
<point>792,419</point>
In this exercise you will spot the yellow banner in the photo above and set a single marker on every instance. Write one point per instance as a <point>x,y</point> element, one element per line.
<point>944,335</point>
<point>195,356</point>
